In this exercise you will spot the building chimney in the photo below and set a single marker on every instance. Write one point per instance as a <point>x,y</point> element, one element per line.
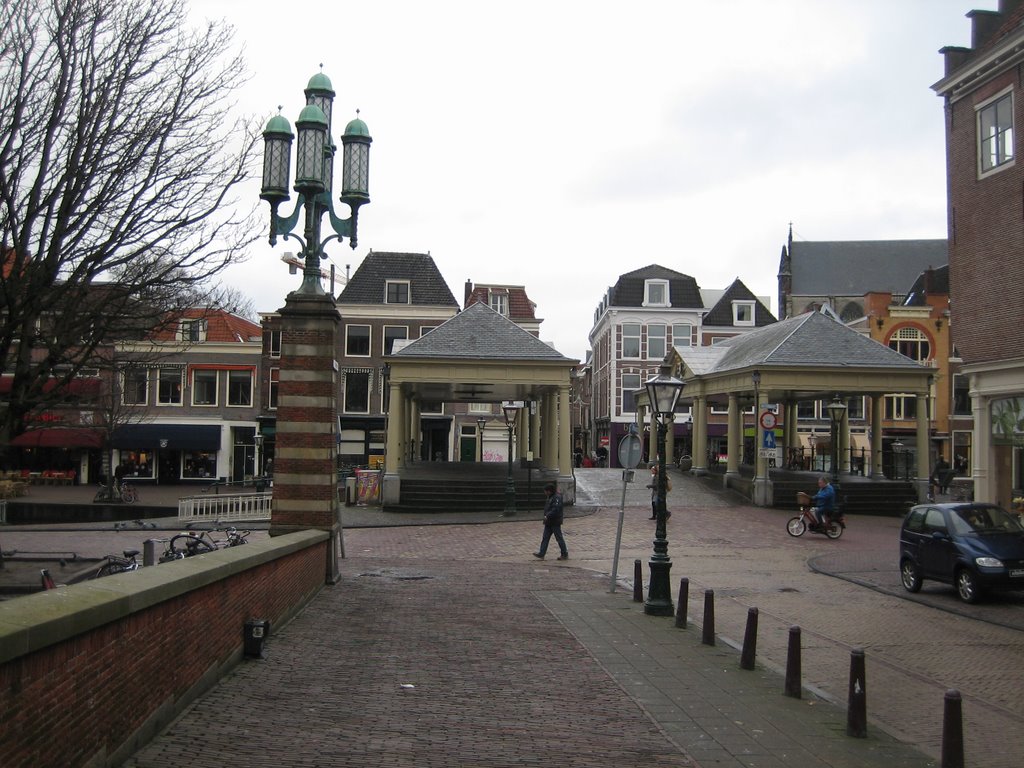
<point>983,25</point>
<point>955,57</point>
<point>469,292</point>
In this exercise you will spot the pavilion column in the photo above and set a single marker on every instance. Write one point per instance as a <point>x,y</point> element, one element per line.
<point>922,445</point>
<point>412,426</point>
<point>305,478</point>
<point>396,432</point>
<point>564,438</point>
<point>700,436</point>
<point>549,434</point>
<point>534,407</point>
<point>877,401</point>
<point>734,437</point>
<point>523,421</point>
<point>983,474</point>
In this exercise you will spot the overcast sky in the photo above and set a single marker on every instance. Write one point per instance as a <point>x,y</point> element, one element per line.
<point>557,145</point>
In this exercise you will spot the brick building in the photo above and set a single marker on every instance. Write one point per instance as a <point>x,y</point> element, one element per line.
<point>983,95</point>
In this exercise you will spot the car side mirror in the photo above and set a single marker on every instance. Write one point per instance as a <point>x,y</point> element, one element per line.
<point>940,535</point>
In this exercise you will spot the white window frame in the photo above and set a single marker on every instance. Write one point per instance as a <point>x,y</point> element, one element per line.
<point>480,408</point>
<point>498,301</point>
<point>369,388</point>
<point>652,338</point>
<point>181,387</point>
<point>676,341</point>
<point>652,286</point>
<point>192,331</point>
<point>397,284</point>
<point>275,343</point>
<point>639,340</point>
<point>273,391</point>
<point>737,310</point>
<point>133,373</point>
<point>369,340</point>
<point>248,403</point>
<point>998,141</point>
<point>384,338</point>
<point>216,387</point>
<point>623,389</point>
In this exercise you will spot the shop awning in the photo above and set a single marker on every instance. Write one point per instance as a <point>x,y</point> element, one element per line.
<point>202,437</point>
<point>59,437</point>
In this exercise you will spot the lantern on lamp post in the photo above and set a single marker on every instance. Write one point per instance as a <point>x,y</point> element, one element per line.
<point>836,411</point>
<point>314,171</point>
<point>481,422</point>
<point>663,393</point>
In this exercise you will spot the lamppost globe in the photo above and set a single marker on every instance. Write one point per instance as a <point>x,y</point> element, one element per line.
<point>663,392</point>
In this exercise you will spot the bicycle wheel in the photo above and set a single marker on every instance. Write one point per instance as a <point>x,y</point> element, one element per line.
<point>796,526</point>
<point>109,569</point>
<point>833,530</point>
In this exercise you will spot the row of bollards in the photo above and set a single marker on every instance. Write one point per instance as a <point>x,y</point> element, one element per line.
<point>856,709</point>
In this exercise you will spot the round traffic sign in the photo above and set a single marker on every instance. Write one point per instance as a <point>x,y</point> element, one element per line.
<point>769,420</point>
<point>630,451</point>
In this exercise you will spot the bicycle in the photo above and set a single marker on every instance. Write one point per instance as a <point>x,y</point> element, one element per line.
<point>114,564</point>
<point>123,492</point>
<point>192,543</point>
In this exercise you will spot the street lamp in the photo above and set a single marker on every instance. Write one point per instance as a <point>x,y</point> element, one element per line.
<point>481,423</point>
<point>836,411</point>
<point>663,393</point>
<point>812,439</point>
<point>257,469</point>
<point>314,171</point>
<point>510,410</point>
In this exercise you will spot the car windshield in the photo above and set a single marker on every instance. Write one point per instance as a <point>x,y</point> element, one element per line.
<point>985,520</point>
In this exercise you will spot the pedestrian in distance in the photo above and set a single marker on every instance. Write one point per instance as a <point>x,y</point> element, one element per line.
<point>553,516</point>
<point>653,485</point>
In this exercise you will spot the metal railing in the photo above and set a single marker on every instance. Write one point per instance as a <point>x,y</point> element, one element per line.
<point>247,506</point>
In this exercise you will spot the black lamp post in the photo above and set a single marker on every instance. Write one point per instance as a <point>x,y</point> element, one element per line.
<point>314,171</point>
<point>481,423</point>
<point>510,410</point>
<point>836,410</point>
<point>663,393</point>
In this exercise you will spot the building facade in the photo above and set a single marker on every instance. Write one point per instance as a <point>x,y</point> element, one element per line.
<point>983,97</point>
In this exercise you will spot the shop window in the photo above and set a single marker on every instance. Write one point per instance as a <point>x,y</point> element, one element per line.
<point>137,464</point>
<point>199,464</point>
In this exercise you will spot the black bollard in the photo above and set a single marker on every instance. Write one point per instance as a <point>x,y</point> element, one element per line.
<point>749,641</point>
<point>857,701</point>
<point>708,635</point>
<point>793,673</point>
<point>638,582</point>
<point>683,605</point>
<point>952,731</point>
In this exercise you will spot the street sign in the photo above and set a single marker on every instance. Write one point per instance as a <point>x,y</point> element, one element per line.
<point>630,451</point>
<point>769,440</point>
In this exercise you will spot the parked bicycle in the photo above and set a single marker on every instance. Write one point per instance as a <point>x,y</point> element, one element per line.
<point>112,564</point>
<point>123,492</point>
<point>192,543</point>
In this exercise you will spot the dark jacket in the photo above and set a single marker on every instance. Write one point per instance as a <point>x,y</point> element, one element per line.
<point>553,514</point>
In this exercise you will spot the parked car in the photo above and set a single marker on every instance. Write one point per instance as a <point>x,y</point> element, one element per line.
<point>973,546</point>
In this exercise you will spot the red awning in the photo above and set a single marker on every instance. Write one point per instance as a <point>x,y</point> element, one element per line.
<point>59,437</point>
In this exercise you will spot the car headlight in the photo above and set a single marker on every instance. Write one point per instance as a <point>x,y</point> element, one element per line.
<point>988,562</point>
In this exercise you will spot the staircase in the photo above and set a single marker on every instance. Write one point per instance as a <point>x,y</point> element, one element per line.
<point>469,487</point>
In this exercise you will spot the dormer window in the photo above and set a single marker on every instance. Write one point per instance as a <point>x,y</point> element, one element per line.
<point>743,313</point>
<point>192,330</point>
<point>498,301</point>
<point>396,292</point>
<point>656,293</point>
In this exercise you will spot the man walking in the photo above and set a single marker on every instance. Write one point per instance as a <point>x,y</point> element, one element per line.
<point>553,517</point>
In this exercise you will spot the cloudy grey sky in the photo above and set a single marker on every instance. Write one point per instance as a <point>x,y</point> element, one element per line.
<point>559,144</point>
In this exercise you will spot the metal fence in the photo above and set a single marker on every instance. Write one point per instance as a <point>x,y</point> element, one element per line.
<point>248,506</point>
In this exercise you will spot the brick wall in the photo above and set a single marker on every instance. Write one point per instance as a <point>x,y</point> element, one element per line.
<point>986,235</point>
<point>86,677</point>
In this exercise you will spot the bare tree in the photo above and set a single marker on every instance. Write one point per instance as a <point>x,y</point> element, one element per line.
<point>117,180</point>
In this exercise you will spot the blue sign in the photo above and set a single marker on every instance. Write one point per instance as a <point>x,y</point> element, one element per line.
<point>769,440</point>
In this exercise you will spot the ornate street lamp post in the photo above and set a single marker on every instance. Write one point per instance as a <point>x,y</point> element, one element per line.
<point>836,411</point>
<point>481,423</point>
<point>510,411</point>
<point>314,172</point>
<point>663,393</point>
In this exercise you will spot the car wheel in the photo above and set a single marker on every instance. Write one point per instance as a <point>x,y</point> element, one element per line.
<point>910,575</point>
<point>967,586</point>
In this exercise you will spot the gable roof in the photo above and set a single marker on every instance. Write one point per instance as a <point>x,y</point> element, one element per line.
<point>519,305</point>
<point>426,285</point>
<point>721,314</point>
<point>856,267</point>
<point>481,333</point>
<point>812,339</point>
<point>628,291</point>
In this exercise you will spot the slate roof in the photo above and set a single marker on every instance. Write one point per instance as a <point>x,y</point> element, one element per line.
<point>856,267</point>
<point>811,339</point>
<point>628,291</point>
<point>478,332</point>
<point>427,287</point>
<point>721,313</point>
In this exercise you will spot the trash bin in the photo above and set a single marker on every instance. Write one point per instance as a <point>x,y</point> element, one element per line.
<point>350,491</point>
<point>255,633</point>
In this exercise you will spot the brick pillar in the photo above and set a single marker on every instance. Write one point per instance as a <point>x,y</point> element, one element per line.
<point>305,479</point>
